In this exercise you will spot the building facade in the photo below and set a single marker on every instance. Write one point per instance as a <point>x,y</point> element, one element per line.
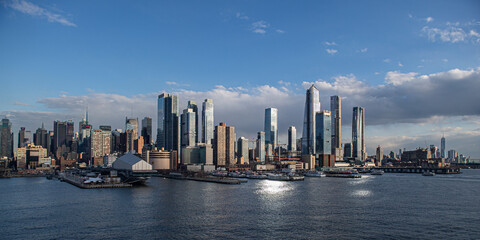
<point>358,135</point>
<point>224,145</point>
<point>292,139</point>
<point>6,139</point>
<point>336,111</point>
<point>168,122</point>
<point>271,126</point>
<point>242,151</point>
<point>207,121</point>
<point>312,106</point>
<point>147,130</point>
<point>323,139</point>
<point>260,150</point>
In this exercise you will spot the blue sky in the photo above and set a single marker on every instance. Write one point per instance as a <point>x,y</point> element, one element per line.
<point>59,56</point>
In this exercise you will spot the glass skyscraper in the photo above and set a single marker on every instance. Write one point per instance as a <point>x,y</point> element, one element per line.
<point>442,146</point>
<point>6,139</point>
<point>312,106</point>
<point>260,151</point>
<point>292,139</point>
<point>271,127</point>
<point>358,135</point>
<point>336,111</point>
<point>323,141</point>
<point>194,107</point>
<point>167,128</point>
<point>207,121</point>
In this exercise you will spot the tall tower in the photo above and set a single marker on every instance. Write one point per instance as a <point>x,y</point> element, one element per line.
<point>188,128</point>
<point>207,121</point>
<point>147,130</point>
<point>323,139</point>
<point>312,106</point>
<point>224,147</point>
<point>167,128</point>
<point>260,150</point>
<point>292,139</point>
<point>442,146</point>
<point>6,139</point>
<point>358,135</point>
<point>379,157</point>
<point>242,151</point>
<point>336,110</point>
<point>194,107</point>
<point>271,126</point>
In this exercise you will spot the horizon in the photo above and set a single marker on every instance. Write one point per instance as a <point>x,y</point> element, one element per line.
<point>413,66</point>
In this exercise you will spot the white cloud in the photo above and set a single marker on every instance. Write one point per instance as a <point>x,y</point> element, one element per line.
<point>260,27</point>
<point>396,78</point>
<point>474,33</point>
<point>387,60</point>
<point>429,19</point>
<point>331,51</point>
<point>450,34</point>
<point>330,43</point>
<point>171,83</point>
<point>242,16</point>
<point>363,50</point>
<point>280,31</point>
<point>21,104</point>
<point>400,64</point>
<point>35,10</point>
<point>444,60</point>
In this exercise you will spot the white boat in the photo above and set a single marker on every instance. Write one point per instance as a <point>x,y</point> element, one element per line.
<point>314,174</point>
<point>257,176</point>
<point>377,172</point>
<point>279,177</point>
<point>428,174</point>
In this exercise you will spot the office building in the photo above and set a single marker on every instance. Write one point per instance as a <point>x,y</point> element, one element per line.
<point>193,105</point>
<point>323,139</point>
<point>336,111</point>
<point>6,139</point>
<point>224,145</point>
<point>260,150</point>
<point>207,121</point>
<point>271,127</point>
<point>358,135</point>
<point>24,137</point>
<point>188,129</point>
<point>312,106</point>
<point>379,157</point>
<point>147,130</point>
<point>168,123</point>
<point>242,151</point>
<point>42,138</point>
<point>347,150</point>
<point>442,146</point>
<point>292,139</point>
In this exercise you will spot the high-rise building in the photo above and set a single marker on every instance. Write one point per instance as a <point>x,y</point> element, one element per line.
<point>358,135</point>
<point>242,151</point>
<point>188,129</point>
<point>347,150</point>
<point>260,150</point>
<point>6,139</point>
<point>42,138</point>
<point>59,138</point>
<point>224,145</point>
<point>292,139</point>
<point>70,136</point>
<point>168,122</point>
<point>194,107</point>
<point>207,121</point>
<point>312,106</point>
<point>442,146</point>
<point>379,157</point>
<point>323,139</point>
<point>23,137</point>
<point>271,126</point>
<point>131,124</point>
<point>336,110</point>
<point>147,130</point>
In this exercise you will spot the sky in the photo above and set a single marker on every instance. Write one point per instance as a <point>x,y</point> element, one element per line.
<point>413,65</point>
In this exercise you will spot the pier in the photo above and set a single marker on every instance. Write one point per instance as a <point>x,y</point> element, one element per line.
<point>78,182</point>
<point>420,170</point>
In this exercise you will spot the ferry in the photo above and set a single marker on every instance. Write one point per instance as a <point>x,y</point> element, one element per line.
<point>377,172</point>
<point>314,174</point>
<point>350,173</point>
<point>428,174</point>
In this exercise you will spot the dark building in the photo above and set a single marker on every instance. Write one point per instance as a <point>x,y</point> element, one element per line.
<point>6,139</point>
<point>167,128</point>
<point>147,130</point>
<point>42,138</point>
<point>194,107</point>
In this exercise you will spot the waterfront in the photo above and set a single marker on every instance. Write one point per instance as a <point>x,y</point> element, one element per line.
<point>388,206</point>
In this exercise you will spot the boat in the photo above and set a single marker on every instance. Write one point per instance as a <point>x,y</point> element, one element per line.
<point>219,174</point>
<point>350,173</point>
<point>314,174</point>
<point>279,177</point>
<point>257,176</point>
<point>377,172</point>
<point>428,174</point>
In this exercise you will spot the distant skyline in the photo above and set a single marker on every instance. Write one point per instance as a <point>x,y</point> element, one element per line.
<point>413,65</point>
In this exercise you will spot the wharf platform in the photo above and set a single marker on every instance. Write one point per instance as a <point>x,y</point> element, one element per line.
<point>419,170</point>
<point>78,182</point>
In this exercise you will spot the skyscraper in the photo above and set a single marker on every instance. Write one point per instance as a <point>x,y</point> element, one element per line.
<point>336,110</point>
<point>242,151</point>
<point>358,135</point>
<point>207,121</point>
<point>22,139</point>
<point>271,127</point>
<point>194,107</point>
<point>379,157</point>
<point>131,131</point>
<point>292,139</point>
<point>260,150</point>
<point>442,146</point>
<point>59,137</point>
<point>312,106</point>
<point>147,130</point>
<point>42,138</point>
<point>6,139</point>
<point>187,128</point>
<point>167,128</point>
<point>323,139</point>
<point>224,145</point>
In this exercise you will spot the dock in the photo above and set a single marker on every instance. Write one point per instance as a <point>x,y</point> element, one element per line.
<point>420,170</point>
<point>78,182</point>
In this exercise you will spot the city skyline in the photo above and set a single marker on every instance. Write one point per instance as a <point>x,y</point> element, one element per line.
<point>417,80</point>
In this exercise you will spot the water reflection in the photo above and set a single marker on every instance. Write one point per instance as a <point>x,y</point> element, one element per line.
<point>362,193</point>
<point>269,187</point>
